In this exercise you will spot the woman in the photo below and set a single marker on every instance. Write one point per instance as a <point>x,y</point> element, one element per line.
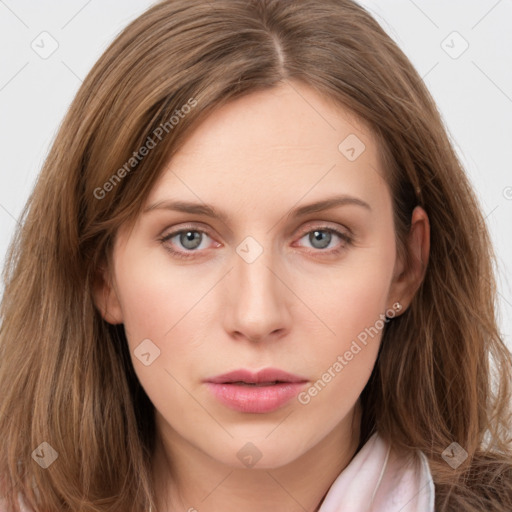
<point>253,275</point>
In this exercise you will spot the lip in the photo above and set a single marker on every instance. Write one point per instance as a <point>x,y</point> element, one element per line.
<point>271,389</point>
<point>263,376</point>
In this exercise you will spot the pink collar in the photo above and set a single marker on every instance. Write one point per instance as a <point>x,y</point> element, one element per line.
<point>376,480</point>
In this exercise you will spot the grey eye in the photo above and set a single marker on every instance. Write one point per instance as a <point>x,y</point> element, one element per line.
<point>190,239</point>
<point>320,239</point>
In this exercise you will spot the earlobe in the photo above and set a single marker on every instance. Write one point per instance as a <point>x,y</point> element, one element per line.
<point>412,270</point>
<point>105,298</point>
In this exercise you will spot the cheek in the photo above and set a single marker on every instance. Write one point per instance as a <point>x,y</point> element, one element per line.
<point>343,362</point>
<point>157,303</point>
<point>352,306</point>
<point>352,297</point>
<point>153,295</point>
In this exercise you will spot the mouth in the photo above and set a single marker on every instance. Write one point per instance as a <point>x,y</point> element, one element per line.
<point>261,392</point>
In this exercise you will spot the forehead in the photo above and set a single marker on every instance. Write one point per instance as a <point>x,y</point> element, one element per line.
<point>272,148</point>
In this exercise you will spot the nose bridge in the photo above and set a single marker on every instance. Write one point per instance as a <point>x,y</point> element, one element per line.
<point>258,303</point>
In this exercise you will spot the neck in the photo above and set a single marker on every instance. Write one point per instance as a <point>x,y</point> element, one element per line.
<point>187,479</point>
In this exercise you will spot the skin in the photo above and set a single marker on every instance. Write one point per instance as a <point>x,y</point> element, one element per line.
<point>295,307</point>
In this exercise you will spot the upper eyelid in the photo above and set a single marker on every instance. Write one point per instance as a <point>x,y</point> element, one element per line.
<point>325,226</point>
<point>309,226</point>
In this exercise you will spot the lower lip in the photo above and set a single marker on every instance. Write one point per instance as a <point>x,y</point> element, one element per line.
<point>255,399</point>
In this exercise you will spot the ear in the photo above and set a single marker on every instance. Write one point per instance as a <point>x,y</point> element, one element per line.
<point>410,269</point>
<point>105,297</point>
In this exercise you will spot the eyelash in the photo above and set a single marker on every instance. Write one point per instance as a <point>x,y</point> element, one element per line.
<point>190,254</point>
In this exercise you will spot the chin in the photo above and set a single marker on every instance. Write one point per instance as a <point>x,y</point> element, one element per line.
<point>256,452</point>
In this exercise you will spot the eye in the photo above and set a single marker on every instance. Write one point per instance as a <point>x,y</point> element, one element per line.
<point>321,239</point>
<point>187,240</point>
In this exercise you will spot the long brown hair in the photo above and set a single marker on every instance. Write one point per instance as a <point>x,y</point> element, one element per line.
<point>443,372</point>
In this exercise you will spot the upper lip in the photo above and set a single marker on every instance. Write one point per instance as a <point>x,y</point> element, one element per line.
<point>263,376</point>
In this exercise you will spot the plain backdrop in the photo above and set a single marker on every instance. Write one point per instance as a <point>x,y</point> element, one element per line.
<point>461,49</point>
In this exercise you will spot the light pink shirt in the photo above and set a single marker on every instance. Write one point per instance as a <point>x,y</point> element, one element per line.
<point>376,480</point>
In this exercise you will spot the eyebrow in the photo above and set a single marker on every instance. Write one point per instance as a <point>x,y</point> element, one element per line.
<point>210,211</point>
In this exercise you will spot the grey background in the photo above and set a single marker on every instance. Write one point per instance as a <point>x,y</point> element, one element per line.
<point>473,89</point>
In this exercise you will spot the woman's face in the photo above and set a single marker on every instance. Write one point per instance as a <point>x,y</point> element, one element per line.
<point>271,282</point>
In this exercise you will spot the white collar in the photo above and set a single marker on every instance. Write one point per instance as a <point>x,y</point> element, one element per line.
<point>376,480</point>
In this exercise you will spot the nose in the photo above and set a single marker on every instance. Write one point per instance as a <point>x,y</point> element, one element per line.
<point>259,300</point>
